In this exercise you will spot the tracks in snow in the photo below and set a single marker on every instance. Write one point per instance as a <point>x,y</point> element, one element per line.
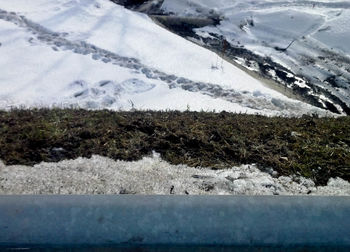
<point>57,41</point>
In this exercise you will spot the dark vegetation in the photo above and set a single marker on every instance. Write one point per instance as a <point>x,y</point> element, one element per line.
<point>317,148</point>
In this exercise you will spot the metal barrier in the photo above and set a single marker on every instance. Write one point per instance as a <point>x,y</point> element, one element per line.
<point>127,221</point>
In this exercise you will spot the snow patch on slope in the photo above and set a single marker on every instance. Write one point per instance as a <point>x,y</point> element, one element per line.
<point>57,53</point>
<point>67,73</point>
<point>152,175</point>
<point>134,35</point>
<point>316,34</point>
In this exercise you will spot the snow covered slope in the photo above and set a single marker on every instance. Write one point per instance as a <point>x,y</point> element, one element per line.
<point>95,54</point>
<point>310,38</point>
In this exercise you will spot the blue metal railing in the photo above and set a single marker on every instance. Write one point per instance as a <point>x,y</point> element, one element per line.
<point>171,221</point>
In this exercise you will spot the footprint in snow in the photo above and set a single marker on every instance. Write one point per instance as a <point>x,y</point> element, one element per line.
<point>78,84</point>
<point>31,40</point>
<point>105,83</point>
<point>108,101</point>
<point>97,92</point>
<point>81,94</point>
<point>80,88</point>
<point>136,86</point>
<point>109,87</point>
<point>105,93</point>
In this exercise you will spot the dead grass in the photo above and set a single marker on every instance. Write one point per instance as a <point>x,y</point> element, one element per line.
<point>317,148</point>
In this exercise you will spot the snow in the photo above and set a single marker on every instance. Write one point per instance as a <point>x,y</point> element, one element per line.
<point>57,53</point>
<point>152,175</point>
<point>34,82</point>
<point>336,33</point>
<point>320,31</point>
<point>274,21</point>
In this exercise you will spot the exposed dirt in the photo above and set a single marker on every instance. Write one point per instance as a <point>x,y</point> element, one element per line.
<point>317,148</point>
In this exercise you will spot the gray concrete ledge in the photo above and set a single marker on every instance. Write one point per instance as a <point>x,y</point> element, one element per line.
<point>133,220</point>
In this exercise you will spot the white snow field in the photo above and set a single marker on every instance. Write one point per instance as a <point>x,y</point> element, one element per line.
<point>318,33</point>
<point>94,54</point>
<point>152,175</point>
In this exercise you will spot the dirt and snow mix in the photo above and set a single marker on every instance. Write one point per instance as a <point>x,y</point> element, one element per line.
<point>152,175</point>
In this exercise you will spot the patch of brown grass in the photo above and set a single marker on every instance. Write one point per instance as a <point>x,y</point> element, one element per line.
<point>317,148</point>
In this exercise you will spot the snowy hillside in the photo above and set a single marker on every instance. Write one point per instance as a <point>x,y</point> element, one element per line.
<point>95,54</point>
<point>310,39</point>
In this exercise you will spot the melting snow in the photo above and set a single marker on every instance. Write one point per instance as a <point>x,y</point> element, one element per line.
<point>317,31</point>
<point>152,175</point>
